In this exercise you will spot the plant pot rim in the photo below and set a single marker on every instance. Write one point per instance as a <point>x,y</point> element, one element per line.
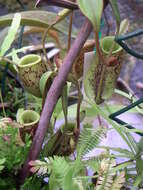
<point>20,65</point>
<point>30,123</point>
<point>111,38</point>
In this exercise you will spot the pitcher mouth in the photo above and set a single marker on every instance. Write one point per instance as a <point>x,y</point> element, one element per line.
<point>106,45</point>
<point>29,60</point>
<point>29,118</point>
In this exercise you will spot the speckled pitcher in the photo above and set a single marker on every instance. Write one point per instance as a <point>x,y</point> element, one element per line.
<point>100,78</point>
<point>29,120</point>
<point>30,69</point>
<point>114,64</point>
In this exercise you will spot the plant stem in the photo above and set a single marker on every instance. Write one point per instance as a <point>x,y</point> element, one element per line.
<point>78,106</point>
<point>44,48</point>
<point>2,103</point>
<point>60,16</point>
<point>70,30</point>
<point>63,3</point>
<point>8,60</point>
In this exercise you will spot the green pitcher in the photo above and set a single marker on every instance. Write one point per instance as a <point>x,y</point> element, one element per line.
<point>29,120</point>
<point>100,79</point>
<point>114,64</point>
<point>30,69</point>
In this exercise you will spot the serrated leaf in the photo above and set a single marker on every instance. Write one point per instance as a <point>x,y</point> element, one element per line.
<point>93,10</point>
<point>11,34</point>
<point>118,182</point>
<point>89,139</point>
<point>70,183</point>
<point>122,151</point>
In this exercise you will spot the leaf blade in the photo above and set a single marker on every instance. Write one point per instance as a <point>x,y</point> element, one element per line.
<point>38,18</point>
<point>92,10</point>
<point>11,34</point>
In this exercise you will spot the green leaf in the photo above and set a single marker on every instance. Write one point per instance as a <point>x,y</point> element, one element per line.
<point>70,183</point>
<point>124,25</point>
<point>58,109</point>
<point>65,103</point>
<point>122,166</point>
<point>59,169</point>
<point>45,82</point>
<point>93,10</point>
<point>116,11</point>
<point>15,58</point>
<point>18,115</point>
<point>21,50</point>
<point>38,18</point>
<point>114,125</point>
<point>11,34</point>
<point>118,181</point>
<point>2,161</point>
<point>137,182</point>
<point>3,34</point>
<point>122,151</point>
<point>88,140</point>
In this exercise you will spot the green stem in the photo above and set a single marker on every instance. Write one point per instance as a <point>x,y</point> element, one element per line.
<point>44,48</point>
<point>8,60</point>
<point>4,113</point>
<point>78,106</point>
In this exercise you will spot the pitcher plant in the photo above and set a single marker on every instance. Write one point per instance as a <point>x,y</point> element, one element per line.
<point>29,120</point>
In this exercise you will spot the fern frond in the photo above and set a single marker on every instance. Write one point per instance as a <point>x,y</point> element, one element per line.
<point>59,168</point>
<point>89,139</point>
<point>106,175</point>
<point>56,166</point>
<point>38,167</point>
<point>118,181</point>
<point>94,162</point>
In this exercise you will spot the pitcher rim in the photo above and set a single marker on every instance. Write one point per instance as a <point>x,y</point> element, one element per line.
<point>31,123</point>
<point>107,52</point>
<point>30,64</point>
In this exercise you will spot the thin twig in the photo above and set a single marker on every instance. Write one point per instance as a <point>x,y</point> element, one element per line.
<point>44,48</point>
<point>60,16</point>
<point>70,30</point>
<point>7,60</point>
<point>2,103</point>
<point>62,3</point>
<point>5,105</point>
<point>78,106</point>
